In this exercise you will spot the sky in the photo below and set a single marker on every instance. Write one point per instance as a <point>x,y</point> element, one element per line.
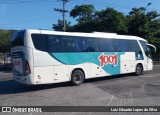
<point>40,14</point>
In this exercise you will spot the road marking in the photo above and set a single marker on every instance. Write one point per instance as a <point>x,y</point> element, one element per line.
<point>110,100</point>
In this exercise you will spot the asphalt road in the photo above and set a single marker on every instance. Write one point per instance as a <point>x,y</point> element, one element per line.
<point>121,90</point>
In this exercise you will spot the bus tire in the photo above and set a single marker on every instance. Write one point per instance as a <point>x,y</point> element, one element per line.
<point>77,77</point>
<point>139,69</point>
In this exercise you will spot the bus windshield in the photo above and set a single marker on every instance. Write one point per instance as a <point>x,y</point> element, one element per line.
<point>146,49</point>
<point>148,52</point>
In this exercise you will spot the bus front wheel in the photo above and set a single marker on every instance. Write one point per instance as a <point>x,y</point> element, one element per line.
<point>77,77</point>
<point>139,69</point>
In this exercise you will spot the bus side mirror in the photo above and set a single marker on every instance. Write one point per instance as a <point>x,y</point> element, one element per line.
<point>152,46</point>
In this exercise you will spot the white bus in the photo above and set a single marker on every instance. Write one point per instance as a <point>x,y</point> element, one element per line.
<point>43,57</point>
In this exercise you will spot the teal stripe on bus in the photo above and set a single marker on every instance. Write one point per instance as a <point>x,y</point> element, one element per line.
<point>90,57</point>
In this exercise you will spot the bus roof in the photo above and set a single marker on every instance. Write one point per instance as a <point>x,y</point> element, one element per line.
<point>93,34</point>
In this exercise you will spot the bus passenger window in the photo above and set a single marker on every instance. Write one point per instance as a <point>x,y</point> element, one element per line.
<point>109,45</point>
<point>68,44</point>
<point>54,44</point>
<point>91,46</point>
<point>134,47</point>
<point>40,42</point>
<point>100,45</point>
<point>78,41</point>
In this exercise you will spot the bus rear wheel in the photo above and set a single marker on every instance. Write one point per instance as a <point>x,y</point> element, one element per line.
<point>139,70</point>
<point>77,77</point>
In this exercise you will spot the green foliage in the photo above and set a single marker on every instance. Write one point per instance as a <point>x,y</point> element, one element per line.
<point>83,13</point>
<point>5,40</point>
<point>59,26</point>
<point>110,20</point>
<point>85,27</point>
<point>138,22</point>
<point>145,25</point>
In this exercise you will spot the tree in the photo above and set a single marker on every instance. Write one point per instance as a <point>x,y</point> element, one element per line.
<point>110,20</point>
<point>59,25</point>
<point>140,23</point>
<point>5,41</point>
<point>85,27</point>
<point>146,25</point>
<point>83,13</point>
<point>154,24</point>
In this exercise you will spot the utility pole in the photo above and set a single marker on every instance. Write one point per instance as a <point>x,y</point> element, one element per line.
<point>63,11</point>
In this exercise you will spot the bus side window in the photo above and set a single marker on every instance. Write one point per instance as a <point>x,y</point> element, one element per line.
<point>100,45</point>
<point>88,45</point>
<point>130,45</point>
<point>40,42</point>
<point>116,45</point>
<point>84,45</point>
<point>54,44</point>
<point>138,50</point>
<point>133,46</point>
<point>109,45</point>
<point>91,45</point>
<point>78,41</point>
<point>71,44</point>
<point>120,45</point>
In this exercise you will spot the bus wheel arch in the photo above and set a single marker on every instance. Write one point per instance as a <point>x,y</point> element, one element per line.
<point>139,69</point>
<point>77,76</point>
